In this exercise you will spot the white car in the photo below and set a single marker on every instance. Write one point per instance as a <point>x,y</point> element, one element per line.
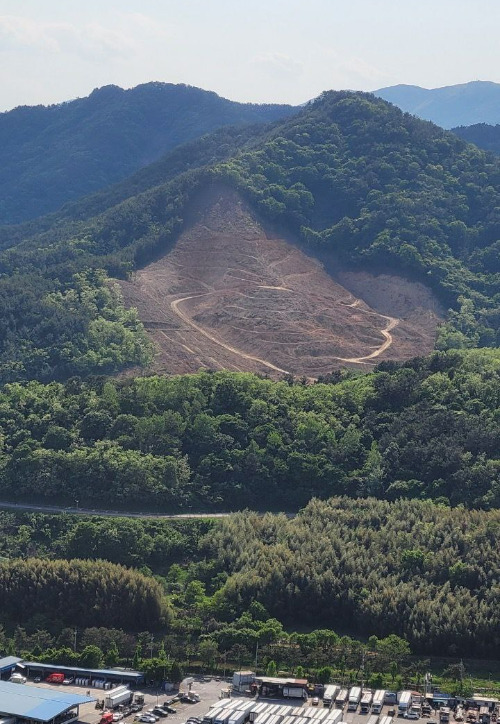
<point>117,716</point>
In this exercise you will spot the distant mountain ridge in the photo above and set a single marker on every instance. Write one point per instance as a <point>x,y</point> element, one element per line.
<point>53,154</point>
<point>464,104</point>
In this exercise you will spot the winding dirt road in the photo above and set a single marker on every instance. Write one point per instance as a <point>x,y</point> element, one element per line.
<point>386,333</point>
<point>185,318</point>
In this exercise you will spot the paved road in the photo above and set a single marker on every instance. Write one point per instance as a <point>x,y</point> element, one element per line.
<point>5,505</point>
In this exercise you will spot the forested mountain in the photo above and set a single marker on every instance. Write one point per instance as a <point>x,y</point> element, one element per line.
<point>51,155</point>
<point>482,135</point>
<point>349,173</point>
<point>464,104</point>
<point>424,429</point>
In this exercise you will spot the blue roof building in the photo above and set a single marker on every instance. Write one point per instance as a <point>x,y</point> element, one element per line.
<point>8,664</point>
<point>132,678</point>
<point>33,703</point>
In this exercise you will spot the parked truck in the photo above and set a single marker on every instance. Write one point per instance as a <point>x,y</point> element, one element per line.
<point>444,715</point>
<point>329,694</point>
<point>55,678</point>
<point>378,701</point>
<point>366,700</point>
<point>294,692</point>
<point>404,702</point>
<point>117,696</point>
<point>238,717</point>
<point>341,698</point>
<point>354,698</point>
<point>334,717</point>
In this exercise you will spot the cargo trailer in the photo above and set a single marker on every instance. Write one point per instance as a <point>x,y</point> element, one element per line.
<point>378,701</point>
<point>334,716</point>
<point>341,698</point>
<point>404,702</point>
<point>354,698</point>
<point>329,694</point>
<point>366,700</point>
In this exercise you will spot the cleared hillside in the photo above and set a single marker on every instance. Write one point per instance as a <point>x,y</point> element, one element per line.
<point>233,295</point>
<point>348,176</point>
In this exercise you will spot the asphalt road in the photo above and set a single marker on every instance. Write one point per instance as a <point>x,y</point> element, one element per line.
<point>77,510</point>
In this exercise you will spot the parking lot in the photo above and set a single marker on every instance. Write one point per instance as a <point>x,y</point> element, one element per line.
<point>209,692</point>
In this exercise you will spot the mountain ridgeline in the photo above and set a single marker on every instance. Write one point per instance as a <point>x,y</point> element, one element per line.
<point>51,155</point>
<point>463,104</point>
<point>349,174</point>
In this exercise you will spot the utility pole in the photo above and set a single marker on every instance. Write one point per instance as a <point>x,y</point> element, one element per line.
<point>151,646</point>
<point>74,641</point>
<point>256,655</point>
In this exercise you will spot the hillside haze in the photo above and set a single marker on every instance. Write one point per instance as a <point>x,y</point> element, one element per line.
<point>455,105</point>
<point>51,155</point>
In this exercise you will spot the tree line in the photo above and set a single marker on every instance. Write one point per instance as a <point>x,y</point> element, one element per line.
<point>423,429</point>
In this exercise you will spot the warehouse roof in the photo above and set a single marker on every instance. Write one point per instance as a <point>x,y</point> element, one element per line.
<point>33,702</point>
<point>76,671</point>
<point>8,662</point>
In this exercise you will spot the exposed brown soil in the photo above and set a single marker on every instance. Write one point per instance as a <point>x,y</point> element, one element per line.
<point>231,296</point>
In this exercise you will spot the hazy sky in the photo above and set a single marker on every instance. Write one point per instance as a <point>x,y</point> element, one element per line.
<point>246,50</point>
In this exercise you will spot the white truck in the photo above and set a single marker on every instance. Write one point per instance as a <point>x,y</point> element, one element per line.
<point>378,701</point>
<point>329,694</point>
<point>117,696</point>
<point>294,692</point>
<point>366,700</point>
<point>334,717</point>
<point>354,698</point>
<point>404,702</point>
<point>341,698</point>
<point>238,717</point>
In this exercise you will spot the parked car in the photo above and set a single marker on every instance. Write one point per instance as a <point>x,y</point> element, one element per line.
<point>69,680</point>
<point>160,711</point>
<point>410,715</point>
<point>170,709</point>
<point>117,716</point>
<point>315,701</point>
<point>147,719</point>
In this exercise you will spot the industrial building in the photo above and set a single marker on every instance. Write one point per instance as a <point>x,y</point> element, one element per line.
<point>26,703</point>
<point>111,676</point>
<point>8,665</point>
<point>271,686</point>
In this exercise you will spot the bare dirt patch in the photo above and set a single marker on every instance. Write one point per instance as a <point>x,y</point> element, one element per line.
<point>229,295</point>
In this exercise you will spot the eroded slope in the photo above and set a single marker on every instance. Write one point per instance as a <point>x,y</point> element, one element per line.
<point>231,296</point>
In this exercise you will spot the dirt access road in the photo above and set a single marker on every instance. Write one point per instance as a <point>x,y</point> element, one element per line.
<point>231,295</point>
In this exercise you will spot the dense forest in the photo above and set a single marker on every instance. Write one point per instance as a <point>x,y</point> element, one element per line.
<point>427,428</point>
<point>482,135</point>
<point>50,155</point>
<point>427,573</point>
<point>349,173</point>
<point>88,593</point>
